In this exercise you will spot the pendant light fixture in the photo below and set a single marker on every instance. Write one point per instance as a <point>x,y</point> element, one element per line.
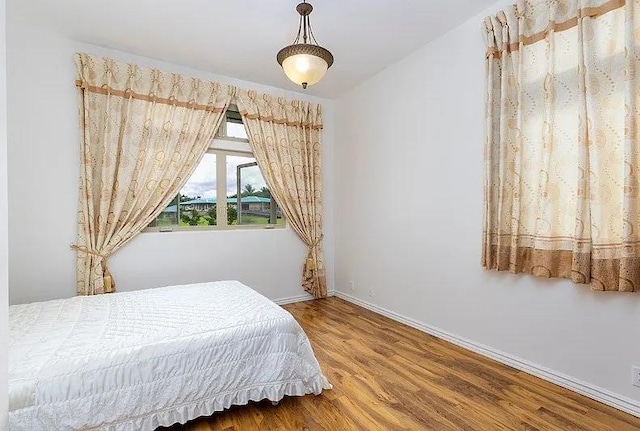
<point>305,63</point>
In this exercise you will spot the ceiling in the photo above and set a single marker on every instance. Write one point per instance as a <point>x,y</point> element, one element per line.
<point>240,38</point>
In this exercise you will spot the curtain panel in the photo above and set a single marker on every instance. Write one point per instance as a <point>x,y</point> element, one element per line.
<point>285,138</point>
<point>562,154</point>
<point>143,134</point>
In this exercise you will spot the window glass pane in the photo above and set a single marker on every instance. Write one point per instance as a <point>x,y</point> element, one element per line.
<point>236,130</point>
<point>256,200</point>
<point>168,217</point>
<point>196,203</point>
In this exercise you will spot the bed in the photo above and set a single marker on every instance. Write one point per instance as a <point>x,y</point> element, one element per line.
<point>138,360</point>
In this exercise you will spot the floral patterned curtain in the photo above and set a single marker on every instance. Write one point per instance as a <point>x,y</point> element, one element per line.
<point>562,187</point>
<point>285,139</point>
<point>143,134</point>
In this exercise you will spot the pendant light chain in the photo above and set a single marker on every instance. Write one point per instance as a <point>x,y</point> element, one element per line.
<point>305,63</point>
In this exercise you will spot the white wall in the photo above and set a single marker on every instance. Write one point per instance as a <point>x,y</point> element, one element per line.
<point>409,201</point>
<point>43,183</point>
<point>4,345</point>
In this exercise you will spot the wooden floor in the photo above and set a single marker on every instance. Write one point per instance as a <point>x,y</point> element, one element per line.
<point>388,376</point>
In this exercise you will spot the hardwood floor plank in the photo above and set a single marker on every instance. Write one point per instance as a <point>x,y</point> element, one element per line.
<point>388,376</point>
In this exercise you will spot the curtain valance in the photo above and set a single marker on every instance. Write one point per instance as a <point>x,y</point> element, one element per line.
<point>255,106</point>
<point>106,76</point>
<point>530,21</point>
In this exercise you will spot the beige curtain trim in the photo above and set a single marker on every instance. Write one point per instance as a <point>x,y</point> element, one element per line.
<point>85,250</point>
<point>271,119</point>
<point>621,275</point>
<point>317,242</point>
<point>128,94</point>
<point>590,12</point>
<point>506,237</point>
<point>108,284</point>
<point>311,265</point>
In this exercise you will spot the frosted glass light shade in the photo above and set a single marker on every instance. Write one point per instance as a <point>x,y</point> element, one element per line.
<point>304,69</point>
<point>305,64</point>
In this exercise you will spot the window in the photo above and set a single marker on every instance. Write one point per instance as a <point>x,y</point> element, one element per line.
<point>226,190</point>
<point>232,127</point>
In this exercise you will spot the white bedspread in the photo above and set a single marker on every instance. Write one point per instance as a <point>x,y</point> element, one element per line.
<point>139,360</point>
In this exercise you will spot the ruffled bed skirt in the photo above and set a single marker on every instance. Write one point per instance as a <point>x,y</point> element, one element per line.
<point>183,413</point>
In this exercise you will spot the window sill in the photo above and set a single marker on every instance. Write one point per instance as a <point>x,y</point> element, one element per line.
<point>213,228</point>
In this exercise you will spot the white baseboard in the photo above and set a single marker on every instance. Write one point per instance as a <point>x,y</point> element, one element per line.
<point>299,298</point>
<point>605,396</point>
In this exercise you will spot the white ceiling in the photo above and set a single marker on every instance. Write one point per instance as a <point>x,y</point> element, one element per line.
<point>240,38</point>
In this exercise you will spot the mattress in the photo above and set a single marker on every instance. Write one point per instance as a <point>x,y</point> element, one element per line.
<point>139,360</point>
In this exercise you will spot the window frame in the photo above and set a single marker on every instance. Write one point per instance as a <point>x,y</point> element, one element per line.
<point>222,130</point>
<point>223,146</point>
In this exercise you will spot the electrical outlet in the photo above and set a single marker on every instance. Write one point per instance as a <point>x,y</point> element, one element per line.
<point>352,285</point>
<point>636,376</point>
